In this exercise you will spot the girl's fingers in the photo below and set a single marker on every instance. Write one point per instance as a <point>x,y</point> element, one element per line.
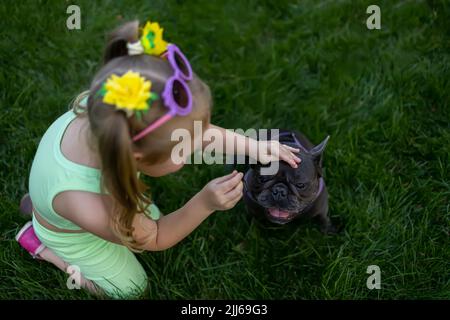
<point>293,157</point>
<point>235,191</point>
<point>227,177</point>
<point>291,151</point>
<point>293,163</point>
<point>296,159</point>
<point>234,200</point>
<point>289,158</point>
<point>232,182</point>
<point>291,148</point>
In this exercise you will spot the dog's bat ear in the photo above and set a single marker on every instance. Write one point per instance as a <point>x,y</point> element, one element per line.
<point>317,154</point>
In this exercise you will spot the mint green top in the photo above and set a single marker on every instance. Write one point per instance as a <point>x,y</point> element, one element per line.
<point>52,173</point>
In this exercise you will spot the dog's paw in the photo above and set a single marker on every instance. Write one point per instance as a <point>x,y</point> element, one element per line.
<point>329,229</point>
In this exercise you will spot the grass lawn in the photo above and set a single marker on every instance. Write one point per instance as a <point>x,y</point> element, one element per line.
<point>382,95</point>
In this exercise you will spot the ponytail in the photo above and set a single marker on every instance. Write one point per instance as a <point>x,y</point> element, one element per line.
<point>117,41</point>
<point>119,175</point>
<point>116,47</point>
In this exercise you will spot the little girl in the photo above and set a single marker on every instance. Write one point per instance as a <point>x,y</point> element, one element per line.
<point>89,209</point>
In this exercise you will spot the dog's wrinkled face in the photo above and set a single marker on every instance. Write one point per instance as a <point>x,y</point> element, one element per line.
<point>291,191</point>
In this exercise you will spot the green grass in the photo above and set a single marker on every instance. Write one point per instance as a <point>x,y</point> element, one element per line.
<point>382,95</point>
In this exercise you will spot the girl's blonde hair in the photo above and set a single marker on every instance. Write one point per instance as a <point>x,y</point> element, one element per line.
<point>111,130</point>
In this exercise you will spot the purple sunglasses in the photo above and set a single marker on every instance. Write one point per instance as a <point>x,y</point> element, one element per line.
<point>176,95</point>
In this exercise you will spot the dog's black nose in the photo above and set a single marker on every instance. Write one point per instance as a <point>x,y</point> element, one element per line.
<point>279,191</point>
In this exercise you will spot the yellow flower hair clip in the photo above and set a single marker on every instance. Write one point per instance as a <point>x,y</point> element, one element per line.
<point>151,41</point>
<point>130,93</point>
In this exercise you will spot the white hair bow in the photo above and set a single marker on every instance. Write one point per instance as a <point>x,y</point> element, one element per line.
<point>135,48</point>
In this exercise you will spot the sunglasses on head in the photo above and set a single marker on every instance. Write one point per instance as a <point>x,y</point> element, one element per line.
<point>177,96</point>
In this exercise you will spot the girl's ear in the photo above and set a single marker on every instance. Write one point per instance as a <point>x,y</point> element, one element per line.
<point>138,156</point>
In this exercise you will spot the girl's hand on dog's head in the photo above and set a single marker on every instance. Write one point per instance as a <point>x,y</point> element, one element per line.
<point>273,150</point>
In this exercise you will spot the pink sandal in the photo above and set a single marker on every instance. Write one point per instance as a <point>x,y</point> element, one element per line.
<point>29,241</point>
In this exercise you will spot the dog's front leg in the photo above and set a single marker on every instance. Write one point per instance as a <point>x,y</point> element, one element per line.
<point>321,212</point>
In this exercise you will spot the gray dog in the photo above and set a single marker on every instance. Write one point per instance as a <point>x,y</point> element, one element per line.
<point>291,192</point>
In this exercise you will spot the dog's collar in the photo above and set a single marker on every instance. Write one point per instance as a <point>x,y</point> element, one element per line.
<point>319,191</point>
<point>296,142</point>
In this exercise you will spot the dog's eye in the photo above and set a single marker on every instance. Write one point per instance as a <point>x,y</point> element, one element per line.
<point>300,185</point>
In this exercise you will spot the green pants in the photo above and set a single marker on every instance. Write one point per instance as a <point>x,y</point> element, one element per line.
<point>112,267</point>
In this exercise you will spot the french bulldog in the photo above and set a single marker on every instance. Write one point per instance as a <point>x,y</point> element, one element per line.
<point>290,192</point>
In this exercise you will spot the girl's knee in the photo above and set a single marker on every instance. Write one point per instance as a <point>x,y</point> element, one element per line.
<point>134,288</point>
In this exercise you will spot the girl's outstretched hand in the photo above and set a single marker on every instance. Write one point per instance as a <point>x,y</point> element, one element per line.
<point>273,150</point>
<point>224,192</point>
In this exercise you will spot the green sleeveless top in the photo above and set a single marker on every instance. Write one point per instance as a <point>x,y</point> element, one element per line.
<point>52,173</point>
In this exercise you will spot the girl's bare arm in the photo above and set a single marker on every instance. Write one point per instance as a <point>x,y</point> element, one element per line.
<point>219,194</point>
<point>171,228</point>
<point>243,145</point>
<point>91,212</point>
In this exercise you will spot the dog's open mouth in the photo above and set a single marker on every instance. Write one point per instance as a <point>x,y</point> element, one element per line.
<point>280,216</point>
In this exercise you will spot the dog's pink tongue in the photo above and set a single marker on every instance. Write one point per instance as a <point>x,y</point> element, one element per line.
<point>277,213</point>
